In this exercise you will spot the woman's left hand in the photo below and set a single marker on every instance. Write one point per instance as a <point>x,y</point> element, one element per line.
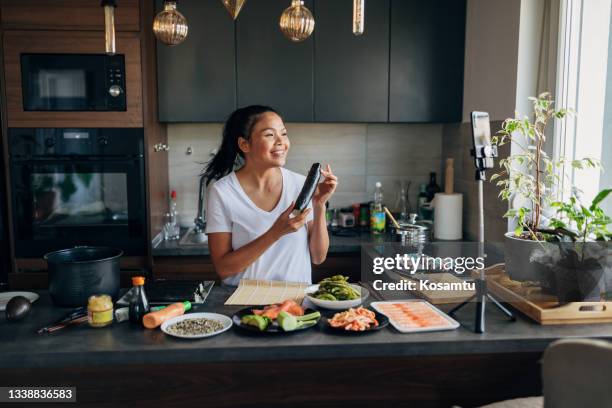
<point>326,188</point>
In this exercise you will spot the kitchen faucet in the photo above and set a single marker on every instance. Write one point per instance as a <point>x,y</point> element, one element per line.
<point>200,219</point>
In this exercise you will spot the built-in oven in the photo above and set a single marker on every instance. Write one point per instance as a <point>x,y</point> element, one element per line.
<point>75,187</point>
<point>73,82</point>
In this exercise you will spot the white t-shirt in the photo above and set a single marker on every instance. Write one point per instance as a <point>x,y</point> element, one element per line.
<point>229,209</point>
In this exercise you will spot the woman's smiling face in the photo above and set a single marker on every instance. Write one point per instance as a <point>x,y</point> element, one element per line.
<point>268,143</point>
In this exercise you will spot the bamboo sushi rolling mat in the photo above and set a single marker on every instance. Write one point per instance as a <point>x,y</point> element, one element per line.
<point>262,292</point>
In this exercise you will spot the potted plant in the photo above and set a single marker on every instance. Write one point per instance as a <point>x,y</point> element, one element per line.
<point>527,180</point>
<point>584,255</point>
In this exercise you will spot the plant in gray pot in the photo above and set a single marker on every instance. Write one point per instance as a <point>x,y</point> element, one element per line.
<point>584,262</point>
<point>527,180</point>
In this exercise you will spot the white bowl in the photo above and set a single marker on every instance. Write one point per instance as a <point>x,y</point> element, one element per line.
<point>226,321</point>
<point>337,304</point>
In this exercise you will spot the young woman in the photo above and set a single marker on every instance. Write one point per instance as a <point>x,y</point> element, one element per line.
<point>251,232</point>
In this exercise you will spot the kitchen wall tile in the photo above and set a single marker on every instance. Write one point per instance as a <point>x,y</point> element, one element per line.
<point>360,154</point>
<point>184,169</point>
<point>340,145</point>
<point>394,149</point>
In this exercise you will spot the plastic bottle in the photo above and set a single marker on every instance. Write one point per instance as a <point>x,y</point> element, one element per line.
<point>402,203</point>
<point>155,319</point>
<point>139,306</point>
<point>176,229</point>
<point>422,197</point>
<point>377,213</point>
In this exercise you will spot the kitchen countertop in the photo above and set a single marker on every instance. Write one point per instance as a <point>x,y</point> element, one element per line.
<point>337,245</point>
<point>122,344</point>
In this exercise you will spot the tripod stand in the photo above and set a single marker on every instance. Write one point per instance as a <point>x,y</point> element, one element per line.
<point>482,292</point>
<point>483,154</point>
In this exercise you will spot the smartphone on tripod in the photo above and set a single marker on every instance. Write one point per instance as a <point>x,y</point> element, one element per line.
<point>483,150</point>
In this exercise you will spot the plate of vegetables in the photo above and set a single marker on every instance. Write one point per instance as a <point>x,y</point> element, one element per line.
<point>286,317</point>
<point>336,293</point>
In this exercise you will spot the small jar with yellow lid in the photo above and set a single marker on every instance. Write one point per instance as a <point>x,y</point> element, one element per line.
<point>100,310</point>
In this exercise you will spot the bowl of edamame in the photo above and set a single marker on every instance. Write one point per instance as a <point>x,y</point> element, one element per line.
<point>336,293</point>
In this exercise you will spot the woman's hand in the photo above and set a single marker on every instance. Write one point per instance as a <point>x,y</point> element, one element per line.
<point>326,188</point>
<point>285,224</point>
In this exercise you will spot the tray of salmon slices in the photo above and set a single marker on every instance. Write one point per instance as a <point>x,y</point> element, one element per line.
<point>412,316</point>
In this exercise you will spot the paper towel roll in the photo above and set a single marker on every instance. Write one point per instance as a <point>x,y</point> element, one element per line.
<point>448,212</point>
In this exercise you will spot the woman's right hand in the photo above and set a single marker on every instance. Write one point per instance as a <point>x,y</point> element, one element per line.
<point>286,224</point>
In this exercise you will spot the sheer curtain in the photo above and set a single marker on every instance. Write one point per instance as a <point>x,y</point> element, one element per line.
<point>582,76</point>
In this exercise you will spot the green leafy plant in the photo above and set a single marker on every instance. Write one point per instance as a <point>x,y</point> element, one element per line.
<point>579,222</point>
<point>528,178</point>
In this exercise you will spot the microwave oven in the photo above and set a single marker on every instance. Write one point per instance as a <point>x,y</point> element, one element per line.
<point>73,82</point>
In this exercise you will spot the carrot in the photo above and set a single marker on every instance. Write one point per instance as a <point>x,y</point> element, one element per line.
<point>155,319</point>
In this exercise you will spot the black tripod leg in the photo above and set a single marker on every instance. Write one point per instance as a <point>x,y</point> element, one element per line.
<point>481,300</point>
<point>454,309</point>
<point>501,307</point>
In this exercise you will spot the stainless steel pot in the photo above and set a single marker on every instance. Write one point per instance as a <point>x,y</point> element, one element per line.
<point>79,272</point>
<point>413,233</point>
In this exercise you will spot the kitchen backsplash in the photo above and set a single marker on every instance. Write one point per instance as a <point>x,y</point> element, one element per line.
<point>360,154</point>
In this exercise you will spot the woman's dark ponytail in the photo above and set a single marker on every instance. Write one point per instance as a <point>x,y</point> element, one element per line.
<point>239,124</point>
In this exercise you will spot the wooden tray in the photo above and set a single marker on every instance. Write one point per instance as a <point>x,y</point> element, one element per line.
<point>545,309</point>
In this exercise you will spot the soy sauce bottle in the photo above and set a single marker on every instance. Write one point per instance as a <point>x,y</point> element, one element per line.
<point>139,306</point>
<point>433,187</point>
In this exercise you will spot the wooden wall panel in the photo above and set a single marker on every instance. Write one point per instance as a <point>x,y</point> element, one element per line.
<point>155,133</point>
<point>66,15</point>
<point>17,42</point>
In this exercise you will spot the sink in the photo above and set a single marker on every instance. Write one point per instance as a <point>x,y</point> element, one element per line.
<point>192,239</point>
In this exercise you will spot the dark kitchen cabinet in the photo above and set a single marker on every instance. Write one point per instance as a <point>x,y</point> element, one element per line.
<point>406,67</point>
<point>351,82</point>
<point>427,54</point>
<point>271,69</point>
<point>197,79</point>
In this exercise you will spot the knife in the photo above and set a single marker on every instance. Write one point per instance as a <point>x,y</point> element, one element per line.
<point>77,316</point>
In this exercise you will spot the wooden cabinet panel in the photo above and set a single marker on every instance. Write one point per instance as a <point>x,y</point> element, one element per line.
<point>155,132</point>
<point>273,70</point>
<point>351,73</point>
<point>427,58</point>
<point>66,15</point>
<point>197,79</point>
<point>85,42</point>
<point>184,267</point>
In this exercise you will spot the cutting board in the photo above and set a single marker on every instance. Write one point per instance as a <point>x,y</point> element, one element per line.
<point>439,297</point>
<point>255,292</point>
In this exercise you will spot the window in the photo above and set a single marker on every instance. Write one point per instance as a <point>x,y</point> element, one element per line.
<point>584,83</point>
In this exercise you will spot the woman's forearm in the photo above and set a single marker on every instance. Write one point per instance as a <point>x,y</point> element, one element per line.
<point>236,261</point>
<point>318,240</point>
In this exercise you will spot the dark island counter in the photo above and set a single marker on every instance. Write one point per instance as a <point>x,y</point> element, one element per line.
<point>441,368</point>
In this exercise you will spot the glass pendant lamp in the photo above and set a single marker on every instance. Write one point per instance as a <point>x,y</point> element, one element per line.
<point>170,26</point>
<point>233,7</point>
<point>109,26</point>
<point>358,16</point>
<point>297,22</point>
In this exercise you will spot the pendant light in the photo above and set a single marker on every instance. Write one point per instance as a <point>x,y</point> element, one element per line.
<point>297,22</point>
<point>109,25</point>
<point>170,26</point>
<point>358,16</point>
<point>233,7</point>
